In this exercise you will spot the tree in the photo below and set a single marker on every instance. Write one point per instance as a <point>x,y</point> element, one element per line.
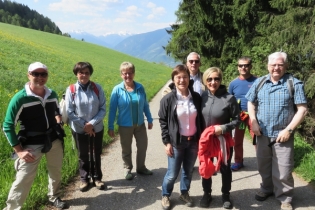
<point>224,30</point>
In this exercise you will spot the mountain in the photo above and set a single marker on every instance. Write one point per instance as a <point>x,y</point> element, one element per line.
<point>147,46</point>
<point>109,40</point>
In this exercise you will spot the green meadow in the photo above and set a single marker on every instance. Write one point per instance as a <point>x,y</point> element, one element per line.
<point>21,46</point>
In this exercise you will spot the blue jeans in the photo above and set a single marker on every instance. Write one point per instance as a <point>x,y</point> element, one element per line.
<point>184,153</point>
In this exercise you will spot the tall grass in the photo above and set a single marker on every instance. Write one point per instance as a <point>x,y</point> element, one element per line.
<point>21,46</point>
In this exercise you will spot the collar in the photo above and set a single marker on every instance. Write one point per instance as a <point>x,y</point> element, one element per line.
<point>30,93</point>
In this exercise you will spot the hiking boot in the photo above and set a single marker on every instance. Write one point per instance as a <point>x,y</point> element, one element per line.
<point>100,185</point>
<point>261,196</point>
<point>59,204</point>
<point>166,204</point>
<point>187,199</point>
<point>226,201</point>
<point>237,166</point>
<point>145,172</point>
<point>84,186</point>
<point>286,206</point>
<point>129,176</point>
<point>205,200</point>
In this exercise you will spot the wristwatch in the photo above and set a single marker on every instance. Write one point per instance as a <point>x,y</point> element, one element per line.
<point>290,130</point>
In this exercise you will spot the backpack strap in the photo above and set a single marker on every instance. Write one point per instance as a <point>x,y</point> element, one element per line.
<point>290,85</point>
<point>260,84</point>
<point>72,90</point>
<point>95,89</point>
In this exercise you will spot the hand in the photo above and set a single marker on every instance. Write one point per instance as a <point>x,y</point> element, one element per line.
<point>150,125</point>
<point>217,130</point>
<point>111,133</point>
<point>92,133</point>
<point>169,150</point>
<point>26,155</point>
<point>256,128</point>
<point>88,127</point>
<point>283,136</point>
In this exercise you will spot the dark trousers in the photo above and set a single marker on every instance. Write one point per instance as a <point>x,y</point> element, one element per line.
<point>226,175</point>
<point>86,158</point>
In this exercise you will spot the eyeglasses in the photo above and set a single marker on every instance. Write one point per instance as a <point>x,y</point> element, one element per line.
<point>84,73</point>
<point>192,61</point>
<point>37,74</point>
<point>279,65</point>
<point>215,79</point>
<point>127,73</point>
<point>243,65</point>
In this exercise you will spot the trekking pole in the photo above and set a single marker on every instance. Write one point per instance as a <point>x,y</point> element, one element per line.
<point>94,159</point>
<point>89,153</point>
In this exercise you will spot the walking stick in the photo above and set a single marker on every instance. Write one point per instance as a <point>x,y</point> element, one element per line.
<point>94,159</point>
<point>89,153</point>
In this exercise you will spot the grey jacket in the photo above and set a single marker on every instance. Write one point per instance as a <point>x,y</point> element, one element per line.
<point>220,109</point>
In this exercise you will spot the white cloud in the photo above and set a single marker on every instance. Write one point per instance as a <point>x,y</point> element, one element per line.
<point>155,11</point>
<point>84,7</point>
<point>151,5</point>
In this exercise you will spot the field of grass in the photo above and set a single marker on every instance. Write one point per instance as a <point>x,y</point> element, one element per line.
<point>19,48</point>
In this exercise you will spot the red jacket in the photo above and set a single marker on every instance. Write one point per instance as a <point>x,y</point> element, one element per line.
<point>209,147</point>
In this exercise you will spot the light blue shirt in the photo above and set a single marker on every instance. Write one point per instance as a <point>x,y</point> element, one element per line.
<point>86,107</point>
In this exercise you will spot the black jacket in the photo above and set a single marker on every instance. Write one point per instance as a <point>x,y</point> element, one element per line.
<point>168,117</point>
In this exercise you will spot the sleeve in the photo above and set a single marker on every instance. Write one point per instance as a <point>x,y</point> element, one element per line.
<point>102,106</point>
<point>163,119</point>
<point>57,111</point>
<point>231,88</point>
<point>299,93</point>
<point>251,94</point>
<point>11,118</point>
<point>234,115</point>
<point>71,108</point>
<point>147,108</point>
<point>113,105</point>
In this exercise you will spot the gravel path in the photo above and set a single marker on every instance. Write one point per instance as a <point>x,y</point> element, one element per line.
<point>144,192</point>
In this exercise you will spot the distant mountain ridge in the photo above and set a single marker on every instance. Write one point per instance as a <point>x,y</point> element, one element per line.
<point>147,46</point>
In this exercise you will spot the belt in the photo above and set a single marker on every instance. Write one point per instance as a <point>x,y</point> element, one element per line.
<point>188,137</point>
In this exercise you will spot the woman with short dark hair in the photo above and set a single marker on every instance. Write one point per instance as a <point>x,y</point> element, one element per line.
<point>180,121</point>
<point>86,109</point>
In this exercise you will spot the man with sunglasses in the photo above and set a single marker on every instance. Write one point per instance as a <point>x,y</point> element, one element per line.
<point>193,63</point>
<point>36,108</point>
<point>239,87</point>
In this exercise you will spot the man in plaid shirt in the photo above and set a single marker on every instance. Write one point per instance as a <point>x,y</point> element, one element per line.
<point>272,113</point>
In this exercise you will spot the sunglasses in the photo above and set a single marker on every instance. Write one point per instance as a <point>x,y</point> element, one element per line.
<point>215,79</point>
<point>192,61</point>
<point>243,65</point>
<point>37,74</point>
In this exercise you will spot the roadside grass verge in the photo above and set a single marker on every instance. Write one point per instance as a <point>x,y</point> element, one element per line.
<point>304,158</point>
<point>20,47</point>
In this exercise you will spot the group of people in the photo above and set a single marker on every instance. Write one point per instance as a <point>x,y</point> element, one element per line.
<point>37,110</point>
<point>210,121</point>
<point>198,115</point>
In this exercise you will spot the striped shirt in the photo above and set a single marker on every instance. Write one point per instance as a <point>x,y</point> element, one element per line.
<point>275,108</point>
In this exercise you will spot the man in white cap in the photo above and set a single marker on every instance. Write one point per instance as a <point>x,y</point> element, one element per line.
<point>36,108</point>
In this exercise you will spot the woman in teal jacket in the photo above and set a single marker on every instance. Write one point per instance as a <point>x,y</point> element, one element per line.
<point>130,99</point>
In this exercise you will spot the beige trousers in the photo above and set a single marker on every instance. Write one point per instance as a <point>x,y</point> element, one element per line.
<point>26,172</point>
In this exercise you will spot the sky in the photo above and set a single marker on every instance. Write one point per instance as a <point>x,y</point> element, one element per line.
<point>101,17</point>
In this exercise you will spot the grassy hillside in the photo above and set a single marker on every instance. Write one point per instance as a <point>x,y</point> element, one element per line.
<point>19,47</point>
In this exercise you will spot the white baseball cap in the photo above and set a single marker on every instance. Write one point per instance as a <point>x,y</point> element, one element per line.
<point>37,65</point>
